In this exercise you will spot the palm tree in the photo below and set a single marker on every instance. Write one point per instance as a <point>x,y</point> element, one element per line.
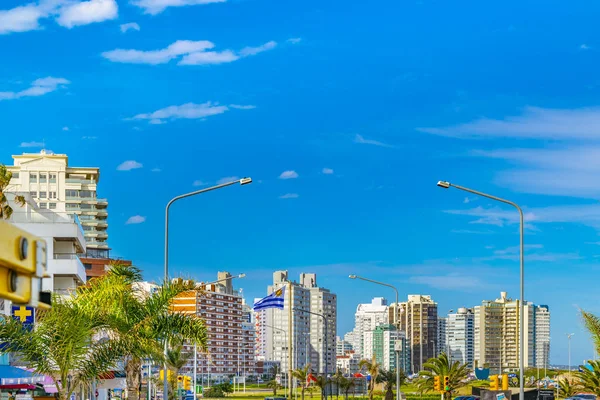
<point>590,377</point>
<point>321,382</point>
<point>336,378</point>
<point>5,209</point>
<point>61,345</point>
<point>389,379</point>
<point>441,366</point>
<point>346,384</point>
<point>372,369</point>
<point>177,358</point>
<point>302,375</point>
<point>142,320</point>
<point>273,384</point>
<point>592,323</point>
<point>566,389</point>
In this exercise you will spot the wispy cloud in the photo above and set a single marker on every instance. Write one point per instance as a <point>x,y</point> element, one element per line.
<point>66,13</point>
<point>65,128</point>
<point>89,137</point>
<point>156,170</point>
<point>136,219</point>
<point>31,144</point>
<point>199,183</point>
<point>289,196</point>
<point>154,7</point>
<point>129,165</point>
<point>184,111</point>
<point>360,139</point>
<point>449,282</point>
<point>130,26</point>
<point>472,232</point>
<point>584,47</point>
<point>533,123</point>
<point>327,171</point>
<point>294,40</point>
<point>188,52</point>
<point>468,200</point>
<point>39,87</point>
<point>242,107</point>
<point>227,179</point>
<point>288,175</point>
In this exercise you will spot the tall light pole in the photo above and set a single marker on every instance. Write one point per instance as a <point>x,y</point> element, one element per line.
<point>195,345</point>
<point>569,337</point>
<point>243,181</point>
<point>447,185</point>
<point>397,320</point>
<point>326,339</point>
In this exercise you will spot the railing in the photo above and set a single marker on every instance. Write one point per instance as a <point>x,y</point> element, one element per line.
<point>44,216</point>
<point>65,256</point>
<point>82,181</point>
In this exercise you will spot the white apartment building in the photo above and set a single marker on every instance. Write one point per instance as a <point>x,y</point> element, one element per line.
<point>56,186</point>
<point>496,332</point>
<point>460,336</point>
<point>381,344</point>
<point>441,345</point>
<point>348,363</point>
<point>65,242</point>
<point>367,317</point>
<point>308,330</point>
<point>342,346</point>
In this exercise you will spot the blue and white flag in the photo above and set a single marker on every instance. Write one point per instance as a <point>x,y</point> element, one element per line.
<point>274,300</point>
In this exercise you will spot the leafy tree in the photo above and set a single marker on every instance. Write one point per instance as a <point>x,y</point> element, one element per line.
<point>566,389</point>
<point>140,319</point>
<point>302,375</point>
<point>321,382</point>
<point>213,392</point>
<point>336,378</point>
<point>226,387</point>
<point>441,366</point>
<point>273,384</point>
<point>346,384</point>
<point>372,369</point>
<point>388,378</point>
<point>177,358</point>
<point>61,344</point>
<point>589,378</point>
<point>5,209</point>
<point>592,323</point>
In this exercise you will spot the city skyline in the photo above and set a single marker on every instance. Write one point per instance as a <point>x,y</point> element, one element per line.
<point>345,117</point>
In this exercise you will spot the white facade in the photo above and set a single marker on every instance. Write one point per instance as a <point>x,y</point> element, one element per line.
<point>460,339</point>
<point>348,363</point>
<point>342,346</point>
<point>542,336</point>
<point>441,346</point>
<point>381,344</point>
<point>56,186</point>
<point>366,318</point>
<point>65,242</point>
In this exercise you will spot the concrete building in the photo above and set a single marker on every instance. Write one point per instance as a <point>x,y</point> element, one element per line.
<point>342,346</point>
<point>419,319</point>
<point>230,344</point>
<point>381,344</point>
<point>348,363</point>
<point>441,346</point>
<point>367,317</point>
<point>308,330</point>
<point>496,332</point>
<point>56,186</point>
<point>460,336</point>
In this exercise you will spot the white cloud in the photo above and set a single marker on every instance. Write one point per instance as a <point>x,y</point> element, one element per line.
<point>199,183</point>
<point>227,179</point>
<point>188,52</point>
<point>67,13</point>
<point>89,137</point>
<point>87,12</point>
<point>154,7</point>
<point>240,107</point>
<point>327,171</point>
<point>130,26</point>
<point>455,282</point>
<point>294,40</point>
<point>584,47</point>
<point>136,219</point>
<point>65,128</point>
<point>251,51</point>
<point>184,111</point>
<point>129,165</point>
<point>289,196</point>
<point>32,144</point>
<point>288,175</point>
<point>534,123</point>
<point>39,87</point>
<point>360,139</point>
<point>156,170</point>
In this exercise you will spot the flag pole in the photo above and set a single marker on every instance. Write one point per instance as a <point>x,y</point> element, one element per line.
<point>290,337</point>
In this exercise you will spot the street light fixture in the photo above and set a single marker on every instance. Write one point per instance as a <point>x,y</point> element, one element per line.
<point>397,325</point>
<point>243,181</point>
<point>569,337</point>
<point>447,185</point>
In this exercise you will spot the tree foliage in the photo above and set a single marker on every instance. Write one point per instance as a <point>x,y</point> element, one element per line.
<point>589,377</point>
<point>441,366</point>
<point>5,209</point>
<point>302,375</point>
<point>372,368</point>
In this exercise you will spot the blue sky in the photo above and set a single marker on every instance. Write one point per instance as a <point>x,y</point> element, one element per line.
<point>361,106</point>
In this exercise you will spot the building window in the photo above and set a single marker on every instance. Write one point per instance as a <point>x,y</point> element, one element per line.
<point>52,195</point>
<point>44,205</point>
<point>43,178</point>
<point>15,175</point>
<point>33,195</point>
<point>87,265</point>
<point>72,193</point>
<point>52,178</point>
<point>52,206</point>
<point>32,178</point>
<point>43,195</point>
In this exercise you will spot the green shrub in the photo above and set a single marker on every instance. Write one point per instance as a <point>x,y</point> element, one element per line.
<point>214,392</point>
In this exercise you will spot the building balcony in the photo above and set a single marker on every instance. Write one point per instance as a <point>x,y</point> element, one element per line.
<point>97,244</point>
<point>67,265</point>
<point>81,181</point>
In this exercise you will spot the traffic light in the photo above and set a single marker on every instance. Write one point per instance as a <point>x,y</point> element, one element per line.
<point>446,383</point>
<point>504,382</point>
<point>179,381</point>
<point>162,374</point>
<point>437,384</point>
<point>494,382</point>
<point>187,383</point>
<point>23,264</point>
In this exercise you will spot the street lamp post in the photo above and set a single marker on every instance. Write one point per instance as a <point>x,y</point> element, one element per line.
<point>569,337</point>
<point>397,320</point>
<point>326,341</point>
<point>243,181</point>
<point>447,185</point>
